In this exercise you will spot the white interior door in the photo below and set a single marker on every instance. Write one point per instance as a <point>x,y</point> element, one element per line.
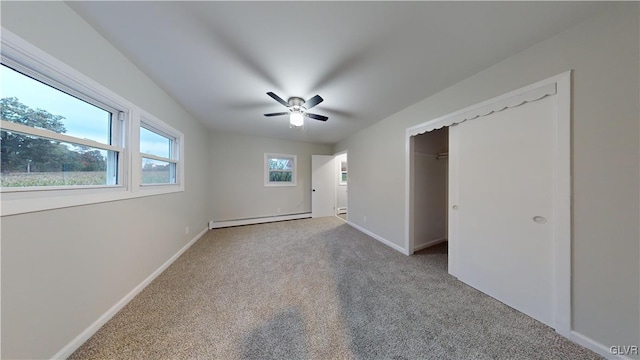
<point>503,206</point>
<point>322,185</point>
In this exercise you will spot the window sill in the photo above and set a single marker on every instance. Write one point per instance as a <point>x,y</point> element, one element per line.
<point>26,202</point>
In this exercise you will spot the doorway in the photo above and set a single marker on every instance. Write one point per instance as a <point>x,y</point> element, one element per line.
<point>329,183</point>
<point>429,169</point>
<point>342,184</point>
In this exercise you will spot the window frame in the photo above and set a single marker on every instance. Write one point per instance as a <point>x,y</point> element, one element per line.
<point>28,59</point>
<point>176,137</point>
<point>294,170</point>
<point>55,78</point>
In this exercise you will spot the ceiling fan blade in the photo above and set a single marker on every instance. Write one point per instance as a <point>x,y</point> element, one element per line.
<point>317,117</point>
<point>277,114</point>
<point>313,102</point>
<point>278,99</point>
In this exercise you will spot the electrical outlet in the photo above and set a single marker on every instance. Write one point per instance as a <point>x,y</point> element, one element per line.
<point>277,210</point>
<point>186,230</point>
<point>364,218</point>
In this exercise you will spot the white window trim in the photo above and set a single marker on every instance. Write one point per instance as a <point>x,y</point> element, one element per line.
<point>18,51</point>
<point>293,172</point>
<point>28,130</point>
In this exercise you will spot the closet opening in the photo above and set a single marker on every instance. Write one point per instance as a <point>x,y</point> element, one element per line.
<point>509,197</point>
<point>429,162</point>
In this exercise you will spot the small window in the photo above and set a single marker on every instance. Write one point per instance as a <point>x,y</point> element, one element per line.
<point>343,172</point>
<point>53,137</point>
<point>280,170</point>
<point>159,153</point>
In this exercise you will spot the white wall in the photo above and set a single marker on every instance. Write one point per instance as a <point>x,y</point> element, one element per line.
<point>430,187</point>
<point>341,190</point>
<point>62,269</point>
<point>604,53</point>
<point>236,179</point>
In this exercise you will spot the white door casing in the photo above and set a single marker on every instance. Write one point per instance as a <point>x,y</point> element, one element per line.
<point>322,185</point>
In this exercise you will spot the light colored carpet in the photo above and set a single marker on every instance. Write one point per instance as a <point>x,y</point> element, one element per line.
<point>317,289</point>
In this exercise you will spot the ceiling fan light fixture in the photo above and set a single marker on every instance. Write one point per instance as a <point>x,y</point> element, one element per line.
<point>296,118</point>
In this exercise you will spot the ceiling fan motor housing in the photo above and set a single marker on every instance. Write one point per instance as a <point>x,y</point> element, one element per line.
<point>296,101</point>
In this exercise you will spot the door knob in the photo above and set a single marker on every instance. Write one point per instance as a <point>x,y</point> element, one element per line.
<point>540,219</point>
<point>455,207</point>
<point>314,190</point>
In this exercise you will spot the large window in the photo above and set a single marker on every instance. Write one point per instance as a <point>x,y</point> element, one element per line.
<point>280,170</point>
<point>54,137</point>
<point>66,140</point>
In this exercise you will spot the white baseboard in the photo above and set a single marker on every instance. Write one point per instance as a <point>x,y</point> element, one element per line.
<point>428,243</point>
<point>260,220</point>
<point>66,351</point>
<point>596,346</point>
<point>379,238</point>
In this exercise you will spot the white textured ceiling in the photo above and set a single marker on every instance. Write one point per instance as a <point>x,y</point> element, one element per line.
<point>367,60</point>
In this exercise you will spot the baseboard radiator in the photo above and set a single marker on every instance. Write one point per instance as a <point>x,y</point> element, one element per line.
<point>257,220</point>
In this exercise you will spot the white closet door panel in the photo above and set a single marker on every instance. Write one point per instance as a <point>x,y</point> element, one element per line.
<point>505,183</point>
